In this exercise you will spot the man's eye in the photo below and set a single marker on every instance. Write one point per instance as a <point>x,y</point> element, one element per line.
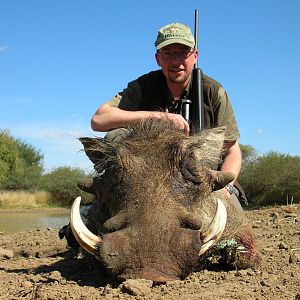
<point>184,53</point>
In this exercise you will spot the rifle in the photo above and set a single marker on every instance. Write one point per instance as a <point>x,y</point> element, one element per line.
<point>193,110</point>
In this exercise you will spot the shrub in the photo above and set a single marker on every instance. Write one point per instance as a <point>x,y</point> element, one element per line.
<point>62,184</point>
<point>273,178</point>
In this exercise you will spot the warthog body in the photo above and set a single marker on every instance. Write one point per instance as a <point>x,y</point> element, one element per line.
<point>155,201</point>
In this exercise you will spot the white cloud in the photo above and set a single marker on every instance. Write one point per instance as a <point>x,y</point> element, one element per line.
<point>59,130</point>
<point>58,135</point>
<point>3,48</point>
<point>14,100</point>
<point>260,131</point>
<point>57,141</point>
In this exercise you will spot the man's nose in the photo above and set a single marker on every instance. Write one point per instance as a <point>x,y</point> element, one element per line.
<point>175,57</point>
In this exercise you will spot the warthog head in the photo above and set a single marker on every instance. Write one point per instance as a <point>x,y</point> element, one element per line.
<point>159,207</point>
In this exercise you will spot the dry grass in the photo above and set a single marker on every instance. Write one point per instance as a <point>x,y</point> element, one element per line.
<point>23,199</point>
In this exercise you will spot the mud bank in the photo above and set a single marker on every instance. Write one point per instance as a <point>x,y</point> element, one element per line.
<point>38,265</point>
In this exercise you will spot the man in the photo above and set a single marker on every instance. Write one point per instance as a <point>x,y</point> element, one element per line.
<point>159,94</point>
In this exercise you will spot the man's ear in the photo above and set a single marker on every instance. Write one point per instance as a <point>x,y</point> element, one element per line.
<point>196,55</point>
<point>157,59</point>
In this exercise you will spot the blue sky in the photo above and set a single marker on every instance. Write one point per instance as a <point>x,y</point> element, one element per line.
<point>60,60</point>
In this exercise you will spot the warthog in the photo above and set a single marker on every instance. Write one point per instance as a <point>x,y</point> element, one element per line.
<point>160,211</point>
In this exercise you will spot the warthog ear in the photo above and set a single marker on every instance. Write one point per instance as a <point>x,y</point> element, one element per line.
<point>208,146</point>
<point>99,151</point>
<point>219,179</point>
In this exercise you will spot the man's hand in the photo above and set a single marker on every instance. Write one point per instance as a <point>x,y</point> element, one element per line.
<point>180,122</point>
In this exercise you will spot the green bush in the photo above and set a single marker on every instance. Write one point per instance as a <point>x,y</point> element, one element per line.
<point>273,178</point>
<point>62,184</point>
<point>20,164</point>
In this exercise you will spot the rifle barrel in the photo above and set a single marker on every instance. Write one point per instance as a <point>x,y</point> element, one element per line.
<point>196,33</point>
<point>197,109</point>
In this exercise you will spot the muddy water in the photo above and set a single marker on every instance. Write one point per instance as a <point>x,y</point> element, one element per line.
<point>24,221</point>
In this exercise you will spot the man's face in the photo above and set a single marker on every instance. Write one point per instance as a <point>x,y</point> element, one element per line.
<point>177,62</point>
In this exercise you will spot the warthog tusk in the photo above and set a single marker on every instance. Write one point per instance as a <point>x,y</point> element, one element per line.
<point>86,239</point>
<point>215,228</point>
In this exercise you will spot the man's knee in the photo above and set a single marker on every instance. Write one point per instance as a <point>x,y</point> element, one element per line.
<point>235,201</point>
<point>116,135</point>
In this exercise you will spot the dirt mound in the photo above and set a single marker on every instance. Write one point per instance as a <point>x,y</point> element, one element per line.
<point>37,265</point>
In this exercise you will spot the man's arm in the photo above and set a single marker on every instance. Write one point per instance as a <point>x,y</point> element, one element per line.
<point>109,117</point>
<point>233,159</point>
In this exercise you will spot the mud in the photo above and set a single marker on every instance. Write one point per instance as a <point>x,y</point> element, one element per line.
<point>38,265</point>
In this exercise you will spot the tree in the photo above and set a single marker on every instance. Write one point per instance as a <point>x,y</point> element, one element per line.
<point>8,156</point>
<point>248,153</point>
<point>21,166</point>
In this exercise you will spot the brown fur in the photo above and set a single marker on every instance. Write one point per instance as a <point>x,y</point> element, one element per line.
<point>159,188</point>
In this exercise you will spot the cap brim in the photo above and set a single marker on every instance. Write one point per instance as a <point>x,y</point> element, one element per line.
<point>174,41</point>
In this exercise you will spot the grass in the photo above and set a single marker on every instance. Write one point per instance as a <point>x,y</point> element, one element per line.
<point>24,199</point>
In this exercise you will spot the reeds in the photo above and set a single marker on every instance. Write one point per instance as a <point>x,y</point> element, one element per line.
<point>24,199</point>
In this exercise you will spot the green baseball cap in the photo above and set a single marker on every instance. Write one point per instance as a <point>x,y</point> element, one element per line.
<point>174,33</point>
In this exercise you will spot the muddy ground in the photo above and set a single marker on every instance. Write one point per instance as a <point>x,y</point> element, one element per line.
<point>37,265</point>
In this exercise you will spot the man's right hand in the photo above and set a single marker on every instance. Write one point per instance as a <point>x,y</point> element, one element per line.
<point>176,118</point>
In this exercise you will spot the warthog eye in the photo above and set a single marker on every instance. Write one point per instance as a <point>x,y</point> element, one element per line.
<point>190,221</point>
<point>191,170</point>
<point>115,223</point>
